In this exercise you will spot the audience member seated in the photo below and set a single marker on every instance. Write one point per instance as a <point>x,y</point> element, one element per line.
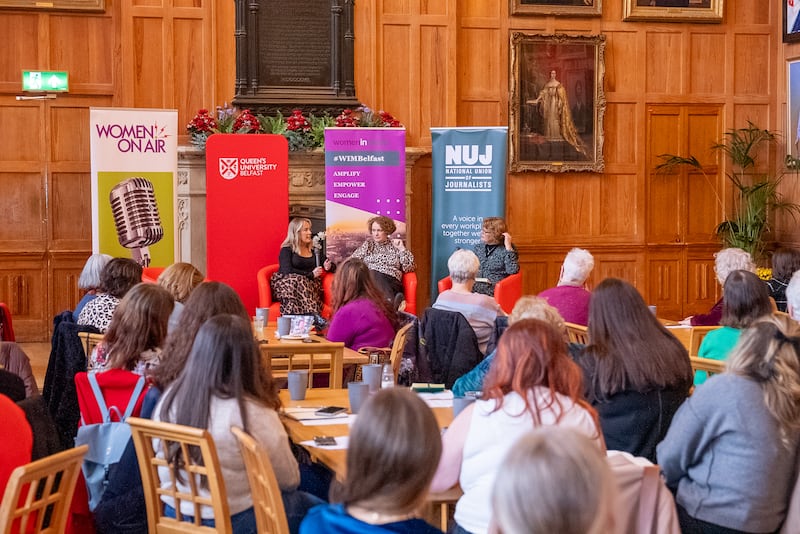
<point>479,310</point>
<point>496,253</point>
<point>122,509</point>
<point>14,360</point>
<point>527,307</point>
<point>137,331</point>
<point>16,439</point>
<point>387,258</point>
<point>89,280</point>
<point>179,279</point>
<point>785,262</point>
<point>298,283</point>
<point>392,453</point>
<point>744,301</point>
<point>116,279</point>
<point>732,449</point>
<point>223,384</point>
<point>554,480</point>
<point>636,373</point>
<point>726,261</point>
<point>362,317</point>
<point>12,386</point>
<point>570,296</point>
<point>532,382</point>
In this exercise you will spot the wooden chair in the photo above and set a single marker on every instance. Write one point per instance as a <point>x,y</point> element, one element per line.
<point>398,345</point>
<point>151,455</point>
<point>330,362</point>
<point>708,365</point>
<point>577,333</point>
<point>395,351</point>
<point>696,338</point>
<point>267,501</point>
<point>89,341</point>
<point>506,292</point>
<point>47,486</point>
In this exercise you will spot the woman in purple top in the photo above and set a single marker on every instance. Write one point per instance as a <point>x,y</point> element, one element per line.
<point>726,261</point>
<point>362,317</point>
<point>570,297</point>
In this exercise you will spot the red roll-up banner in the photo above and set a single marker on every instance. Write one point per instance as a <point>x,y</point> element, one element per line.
<point>247,208</point>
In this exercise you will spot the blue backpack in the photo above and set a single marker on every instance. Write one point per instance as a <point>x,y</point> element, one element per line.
<point>106,441</point>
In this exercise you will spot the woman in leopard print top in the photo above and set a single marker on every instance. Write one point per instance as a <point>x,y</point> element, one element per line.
<point>116,279</point>
<point>387,259</point>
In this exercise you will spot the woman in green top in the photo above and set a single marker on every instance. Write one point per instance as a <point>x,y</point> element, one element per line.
<point>745,299</point>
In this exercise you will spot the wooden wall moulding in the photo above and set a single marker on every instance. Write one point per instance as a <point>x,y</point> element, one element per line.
<point>557,102</point>
<point>292,54</point>
<point>575,8</point>
<point>55,5</point>
<point>673,10</point>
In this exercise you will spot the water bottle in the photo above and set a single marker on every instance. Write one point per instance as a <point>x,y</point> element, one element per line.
<point>387,376</point>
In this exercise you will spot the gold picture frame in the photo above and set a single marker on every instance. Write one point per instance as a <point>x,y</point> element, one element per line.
<point>709,11</point>
<point>557,102</point>
<point>576,8</point>
<point>97,6</point>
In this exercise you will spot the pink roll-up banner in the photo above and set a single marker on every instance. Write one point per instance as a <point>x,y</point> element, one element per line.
<point>247,208</point>
<point>364,176</point>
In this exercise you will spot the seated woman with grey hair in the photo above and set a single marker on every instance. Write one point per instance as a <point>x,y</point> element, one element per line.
<point>726,261</point>
<point>479,310</point>
<point>570,296</point>
<point>89,280</point>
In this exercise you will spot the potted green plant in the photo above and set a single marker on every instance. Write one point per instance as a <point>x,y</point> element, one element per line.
<point>756,193</point>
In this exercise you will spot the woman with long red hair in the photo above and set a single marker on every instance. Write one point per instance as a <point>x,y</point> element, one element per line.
<point>532,383</point>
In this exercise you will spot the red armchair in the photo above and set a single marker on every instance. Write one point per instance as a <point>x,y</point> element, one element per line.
<point>151,274</point>
<point>506,292</point>
<point>265,292</point>
<point>409,291</point>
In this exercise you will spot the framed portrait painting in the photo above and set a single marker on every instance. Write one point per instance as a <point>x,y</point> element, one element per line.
<point>673,10</point>
<point>55,5</point>
<point>793,109</point>
<point>791,21</point>
<point>576,8</point>
<point>557,102</point>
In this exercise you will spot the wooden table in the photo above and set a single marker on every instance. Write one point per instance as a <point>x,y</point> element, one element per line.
<point>318,356</point>
<point>336,460</point>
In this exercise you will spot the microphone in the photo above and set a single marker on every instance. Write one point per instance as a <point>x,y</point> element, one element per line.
<point>133,204</point>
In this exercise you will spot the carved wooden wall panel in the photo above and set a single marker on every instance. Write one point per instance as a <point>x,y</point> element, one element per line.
<point>666,280</point>
<point>23,286</point>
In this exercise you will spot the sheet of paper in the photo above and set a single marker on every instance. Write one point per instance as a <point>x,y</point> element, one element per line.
<point>338,420</point>
<point>303,414</point>
<point>442,399</point>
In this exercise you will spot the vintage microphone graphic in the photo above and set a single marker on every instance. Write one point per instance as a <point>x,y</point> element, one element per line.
<point>133,204</point>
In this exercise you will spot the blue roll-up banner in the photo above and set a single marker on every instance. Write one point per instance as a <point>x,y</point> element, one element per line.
<point>469,183</point>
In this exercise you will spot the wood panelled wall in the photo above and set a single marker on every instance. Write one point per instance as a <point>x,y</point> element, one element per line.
<point>175,54</point>
<point>669,87</point>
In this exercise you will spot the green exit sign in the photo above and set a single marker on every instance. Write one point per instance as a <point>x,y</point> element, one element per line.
<point>45,80</point>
